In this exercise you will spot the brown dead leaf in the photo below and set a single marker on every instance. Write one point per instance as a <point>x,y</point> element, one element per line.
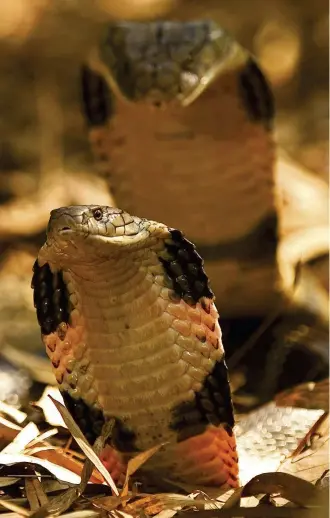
<point>150,505</point>
<point>109,503</point>
<point>8,430</point>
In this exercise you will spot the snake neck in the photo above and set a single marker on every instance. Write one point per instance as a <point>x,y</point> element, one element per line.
<point>212,163</point>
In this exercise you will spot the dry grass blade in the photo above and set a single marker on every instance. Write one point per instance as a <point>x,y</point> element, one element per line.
<point>136,462</point>
<point>15,508</point>
<point>22,439</point>
<point>65,460</point>
<point>42,437</point>
<point>86,448</point>
<point>12,412</point>
<point>8,481</point>
<point>59,472</point>
<point>35,494</point>
<point>62,502</point>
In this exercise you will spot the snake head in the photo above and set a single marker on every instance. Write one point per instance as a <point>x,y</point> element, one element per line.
<point>160,62</point>
<point>92,231</point>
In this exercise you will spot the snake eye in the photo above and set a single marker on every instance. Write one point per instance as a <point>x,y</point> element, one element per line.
<point>97,214</point>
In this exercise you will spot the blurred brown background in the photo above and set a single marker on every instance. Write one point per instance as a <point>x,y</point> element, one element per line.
<point>43,42</point>
<point>44,154</point>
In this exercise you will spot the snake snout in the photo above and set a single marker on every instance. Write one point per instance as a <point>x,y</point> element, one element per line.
<point>64,220</point>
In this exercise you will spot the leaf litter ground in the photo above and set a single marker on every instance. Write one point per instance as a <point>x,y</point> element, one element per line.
<point>43,473</point>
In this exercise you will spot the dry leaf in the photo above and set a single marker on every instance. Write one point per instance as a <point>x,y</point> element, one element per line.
<point>311,459</point>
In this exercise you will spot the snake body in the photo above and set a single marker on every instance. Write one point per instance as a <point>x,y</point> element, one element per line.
<point>130,325</point>
<point>180,114</point>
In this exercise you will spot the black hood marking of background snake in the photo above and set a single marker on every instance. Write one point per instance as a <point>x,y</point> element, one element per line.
<point>254,89</point>
<point>256,94</point>
<point>212,405</point>
<point>50,298</point>
<point>96,98</point>
<point>246,248</point>
<point>185,269</point>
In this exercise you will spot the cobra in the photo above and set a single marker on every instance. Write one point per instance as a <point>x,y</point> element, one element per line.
<point>130,325</point>
<point>181,123</point>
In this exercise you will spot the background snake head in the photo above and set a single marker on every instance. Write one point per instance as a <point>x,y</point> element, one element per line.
<point>162,62</point>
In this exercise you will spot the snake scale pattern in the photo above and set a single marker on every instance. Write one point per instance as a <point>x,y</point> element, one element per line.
<point>129,323</point>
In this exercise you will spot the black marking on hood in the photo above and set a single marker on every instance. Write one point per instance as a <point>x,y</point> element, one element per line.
<point>185,269</point>
<point>256,94</point>
<point>50,298</point>
<point>212,405</point>
<point>259,245</point>
<point>91,419</point>
<point>96,97</point>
